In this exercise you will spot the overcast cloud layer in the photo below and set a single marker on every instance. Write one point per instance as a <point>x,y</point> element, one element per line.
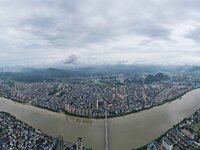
<point>74,32</point>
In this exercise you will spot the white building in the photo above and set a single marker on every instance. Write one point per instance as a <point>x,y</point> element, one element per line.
<point>79,144</point>
<point>167,144</point>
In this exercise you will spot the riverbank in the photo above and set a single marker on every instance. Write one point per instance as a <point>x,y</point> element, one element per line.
<point>134,126</point>
<point>102,117</point>
<point>15,134</point>
<point>185,129</point>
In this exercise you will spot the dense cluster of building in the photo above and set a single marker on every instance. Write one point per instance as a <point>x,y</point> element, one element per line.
<point>130,98</point>
<point>88,99</point>
<point>16,135</point>
<point>186,135</point>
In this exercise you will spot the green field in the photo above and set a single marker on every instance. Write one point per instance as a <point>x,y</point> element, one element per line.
<point>196,127</point>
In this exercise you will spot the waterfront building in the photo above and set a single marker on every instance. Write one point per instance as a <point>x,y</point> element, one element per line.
<point>79,144</point>
<point>153,146</point>
<point>167,144</point>
<point>59,143</point>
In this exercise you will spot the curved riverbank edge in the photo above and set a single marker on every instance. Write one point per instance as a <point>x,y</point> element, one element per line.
<point>102,117</point>
<point>144,147</point>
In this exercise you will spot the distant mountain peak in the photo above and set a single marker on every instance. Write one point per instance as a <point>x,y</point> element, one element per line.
<point>156,78</point>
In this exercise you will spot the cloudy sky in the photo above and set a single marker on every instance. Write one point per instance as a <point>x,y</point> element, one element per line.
<point>87,32</point>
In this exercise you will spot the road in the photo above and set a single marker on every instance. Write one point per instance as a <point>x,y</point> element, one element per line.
<point>106,128</point>
<point>106,122</point>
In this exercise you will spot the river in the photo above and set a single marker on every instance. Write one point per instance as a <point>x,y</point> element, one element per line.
<point>125,132</point>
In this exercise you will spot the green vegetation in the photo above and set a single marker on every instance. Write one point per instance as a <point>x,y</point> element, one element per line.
<point>158,77</point>
<point>196,127</point>
<point>61,94</point>
<point>51,93</point>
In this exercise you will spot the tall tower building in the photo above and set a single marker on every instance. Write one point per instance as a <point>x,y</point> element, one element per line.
<point>59,143</point>
<point>79,144</point>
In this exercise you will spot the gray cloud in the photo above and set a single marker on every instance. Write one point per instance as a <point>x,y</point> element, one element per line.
<point>111,31</point>
<point>71,59</point>
<point>194,35</point>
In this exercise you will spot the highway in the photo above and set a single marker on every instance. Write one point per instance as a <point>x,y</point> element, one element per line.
<point>106,128</point>
<point>106,122</point>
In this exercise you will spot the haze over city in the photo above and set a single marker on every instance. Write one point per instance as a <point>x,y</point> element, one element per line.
<point>74,33</point>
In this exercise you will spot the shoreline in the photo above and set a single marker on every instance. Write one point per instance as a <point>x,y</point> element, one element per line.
<point>101,117</point>
<point>31,127</point>
<point>144,147</point>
